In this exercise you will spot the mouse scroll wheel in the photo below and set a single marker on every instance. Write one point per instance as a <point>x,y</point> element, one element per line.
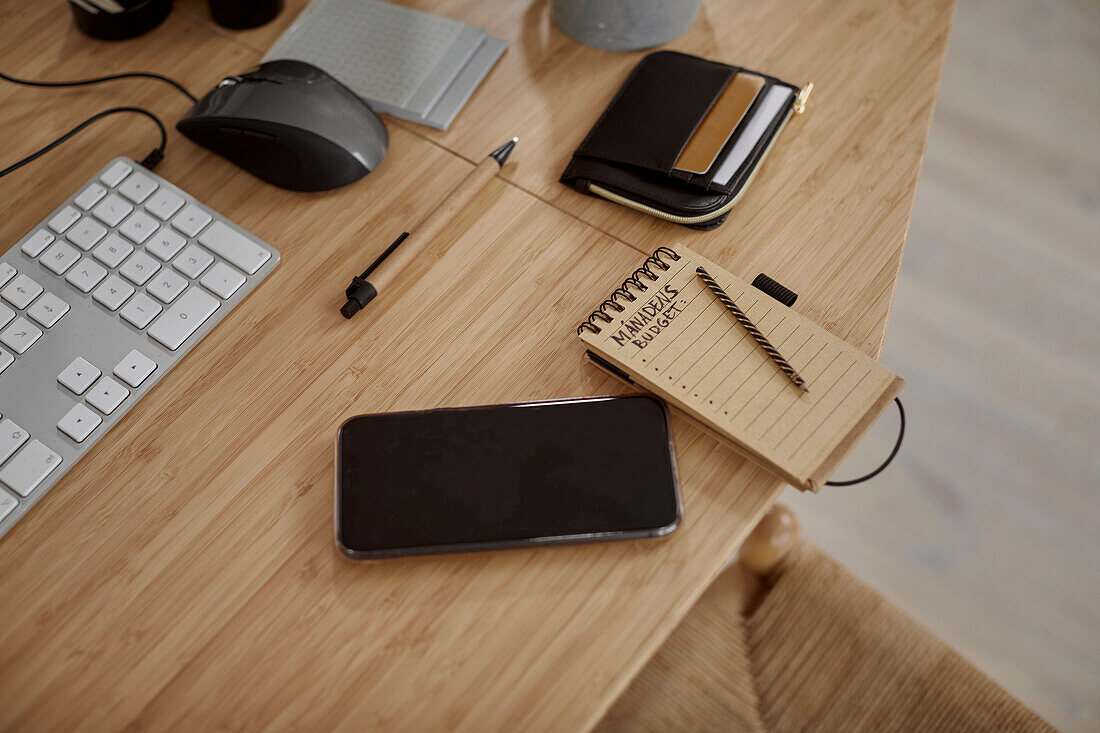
<point>229,81</point>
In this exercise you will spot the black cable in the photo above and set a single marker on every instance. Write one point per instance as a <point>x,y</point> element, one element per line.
<point>894,452</point>
<point>98,79</point>
<point>149,162</point>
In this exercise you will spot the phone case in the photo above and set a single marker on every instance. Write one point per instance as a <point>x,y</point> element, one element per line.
<point>540,541</point>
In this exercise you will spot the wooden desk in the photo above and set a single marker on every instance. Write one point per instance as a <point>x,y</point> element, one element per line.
<point>184,576</point>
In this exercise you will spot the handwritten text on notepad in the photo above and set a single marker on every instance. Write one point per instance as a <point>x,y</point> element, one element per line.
<point>648,321</point>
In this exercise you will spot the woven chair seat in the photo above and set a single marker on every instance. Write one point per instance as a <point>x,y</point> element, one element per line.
<point>812,648</point>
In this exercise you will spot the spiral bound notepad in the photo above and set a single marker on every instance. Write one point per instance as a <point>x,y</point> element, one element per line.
<point>664,330</point>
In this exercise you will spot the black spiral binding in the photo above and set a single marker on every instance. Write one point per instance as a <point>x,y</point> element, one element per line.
<point>654,260</point>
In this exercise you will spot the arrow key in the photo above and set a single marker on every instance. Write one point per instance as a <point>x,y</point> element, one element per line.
<point>135,368</point>
<point>79,423</point>
<point>78,376</point>
<point>106,395</point>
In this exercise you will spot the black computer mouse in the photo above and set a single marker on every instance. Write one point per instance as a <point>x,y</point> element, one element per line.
<point>290,124</point>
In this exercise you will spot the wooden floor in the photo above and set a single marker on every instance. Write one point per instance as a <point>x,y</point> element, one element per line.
<point>987,529</point>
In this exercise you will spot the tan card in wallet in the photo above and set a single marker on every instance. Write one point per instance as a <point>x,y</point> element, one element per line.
<point>722,119</point>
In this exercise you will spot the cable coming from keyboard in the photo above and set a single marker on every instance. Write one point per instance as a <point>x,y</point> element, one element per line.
<point>150,161</point>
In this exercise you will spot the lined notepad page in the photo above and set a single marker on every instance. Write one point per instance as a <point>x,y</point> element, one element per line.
<point>680,342</point>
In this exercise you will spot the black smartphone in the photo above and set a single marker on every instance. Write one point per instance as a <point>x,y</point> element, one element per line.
<point>499,476</point>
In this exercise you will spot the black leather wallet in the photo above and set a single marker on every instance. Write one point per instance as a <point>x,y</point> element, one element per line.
<point>683,137</point>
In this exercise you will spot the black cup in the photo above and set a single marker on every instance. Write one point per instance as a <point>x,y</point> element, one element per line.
<point>240,14</point>
<point>139,16</point>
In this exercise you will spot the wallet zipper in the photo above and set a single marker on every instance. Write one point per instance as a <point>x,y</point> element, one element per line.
<point>799,104</point>
<point>797,107</point>
<point>647,209</point>
<point>700,218</point>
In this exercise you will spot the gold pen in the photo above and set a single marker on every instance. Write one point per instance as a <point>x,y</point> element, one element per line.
<point>761,339</point>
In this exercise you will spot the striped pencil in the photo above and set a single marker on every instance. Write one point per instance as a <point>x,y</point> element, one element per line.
<point>761,339</point>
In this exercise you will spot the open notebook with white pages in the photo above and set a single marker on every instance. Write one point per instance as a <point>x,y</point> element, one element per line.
<point>679,342</point>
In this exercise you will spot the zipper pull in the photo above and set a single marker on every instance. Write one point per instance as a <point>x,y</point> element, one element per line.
<point>799,105</point>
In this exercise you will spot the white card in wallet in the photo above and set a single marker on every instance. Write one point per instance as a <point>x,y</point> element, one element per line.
<point>775,101</point>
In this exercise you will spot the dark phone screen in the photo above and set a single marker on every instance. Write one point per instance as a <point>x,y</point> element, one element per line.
<point>504,473</point>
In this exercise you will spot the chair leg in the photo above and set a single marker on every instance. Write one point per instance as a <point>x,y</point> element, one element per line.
<point>769,544</point>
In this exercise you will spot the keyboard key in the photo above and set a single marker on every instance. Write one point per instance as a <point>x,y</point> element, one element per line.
<point>138,227</point>
<point>113,250</point>
<point>193,260</point>
<point>90,196</point>
<point>126,243</point>
<point>113,292</point>
<point>191,220</point>
<point>107,395</point>
<point>78,376</point>
<point>114,175</point>
<point>29,468</point>
<point>60,257</point>
<point>165,243</point>
<point>140,310</point>
<point>139,268</point>
<point>21,291</point>
<point>36,243</point>
<point>64,219</point>
<point>7,504</point>
<point>86,275</point>
<point>86,233</point>
<point>48,310</point>
<point>112,210</point>
<point>79,423</point>
<point>222,280</point>
<point>163,204</point>
<point>11,437</point>
<point>183,318</point>
<point>20,335</point>
<point>135,368</point>
<point>137,187</point>
<point>167,286</point>
<point>235,247</point>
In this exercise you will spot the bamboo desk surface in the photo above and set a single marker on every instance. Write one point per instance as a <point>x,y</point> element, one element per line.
<point>184,575</point>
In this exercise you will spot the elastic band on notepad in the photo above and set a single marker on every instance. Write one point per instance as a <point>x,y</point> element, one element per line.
<point>889,458</point>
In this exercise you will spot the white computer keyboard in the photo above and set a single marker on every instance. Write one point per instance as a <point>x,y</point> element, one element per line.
<point>97,303</point>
